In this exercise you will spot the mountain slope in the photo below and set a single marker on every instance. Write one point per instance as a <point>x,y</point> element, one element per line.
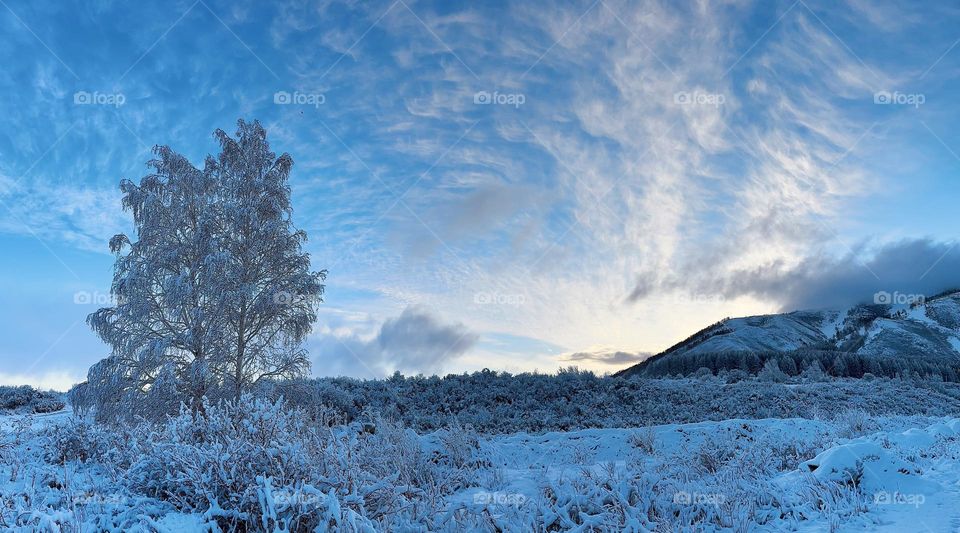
<point>928,331</point>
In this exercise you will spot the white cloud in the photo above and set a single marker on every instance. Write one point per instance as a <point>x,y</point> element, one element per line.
<point>53,380</point>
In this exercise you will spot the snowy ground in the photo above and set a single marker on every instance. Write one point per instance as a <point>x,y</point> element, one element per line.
<point>846,474</point>
<point>35,421</point>
<point>906,489</point>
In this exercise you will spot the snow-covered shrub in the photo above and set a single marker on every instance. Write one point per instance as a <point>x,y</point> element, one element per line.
<point>48,405</point>
<point>299,508</point>
<point>772,373</point>
<point>78,440</point>
<point>64,477</point>
<point>854,422</point>
<point>703,373</point>
<point>27,399</point>
<point>460,445</point>
<point>644,439</point>
<point>727,480</point>
<point>14,397</point>
<point>836,502</point>
<point>736,375</point>
<point>321,399</point>
<point>609,498</point>
<point>814,372</point>
<point>495,402</point>
<point>212,461</point>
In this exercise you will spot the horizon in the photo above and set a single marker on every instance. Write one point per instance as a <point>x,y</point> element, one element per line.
<point>495,186</point>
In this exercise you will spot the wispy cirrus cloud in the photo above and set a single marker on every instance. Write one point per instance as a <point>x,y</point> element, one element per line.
<point>559,175</point>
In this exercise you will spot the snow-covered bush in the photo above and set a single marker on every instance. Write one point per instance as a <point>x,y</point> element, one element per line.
<point>215,461</point>
<point>78,440</point>
<point>493,402</point>
<point>48,405</point>
<point>836,502</point>
<point>703,373</point>
<point>771,372</point>
<point>14,397</point>
<point>27,399</point>
<point>645,440</point>
<point>854,423</point>
<point>321,399</point>
<point>460,444</point>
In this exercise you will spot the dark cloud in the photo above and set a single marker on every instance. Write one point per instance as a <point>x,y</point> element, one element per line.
<point>414,342</point>
<point>919,266</point>
<point>608,357</point>
<point>910,267</point>
<point>418,341</point>
<point>645,285</point>
<point>915,267</point>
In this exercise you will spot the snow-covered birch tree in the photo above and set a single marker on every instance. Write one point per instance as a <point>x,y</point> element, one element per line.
<point>165,287</point>
<point>216,286</point>
<point>271,291</point>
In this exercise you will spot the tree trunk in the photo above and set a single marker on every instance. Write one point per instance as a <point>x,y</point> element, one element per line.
<point>241,348</point>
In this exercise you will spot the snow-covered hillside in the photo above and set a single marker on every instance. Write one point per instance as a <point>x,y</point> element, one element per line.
<point>929,330</point>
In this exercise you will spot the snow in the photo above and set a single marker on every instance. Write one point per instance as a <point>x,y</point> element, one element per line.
<point>783,332</point>
<point>34,421</point>
<point>774,474</point>
<point>908,496</point>
<point>954,342</point>
<point>919,313</point>
<point>833,322</point>
<point>871,466</point>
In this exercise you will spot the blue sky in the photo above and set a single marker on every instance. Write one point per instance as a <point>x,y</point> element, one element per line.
<point>512,185</point>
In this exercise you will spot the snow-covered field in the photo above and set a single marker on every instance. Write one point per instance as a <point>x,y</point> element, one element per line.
<point>906,480</point>
<point>848,473</point>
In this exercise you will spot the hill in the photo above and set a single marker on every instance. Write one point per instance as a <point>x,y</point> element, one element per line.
<point>921,336</point>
